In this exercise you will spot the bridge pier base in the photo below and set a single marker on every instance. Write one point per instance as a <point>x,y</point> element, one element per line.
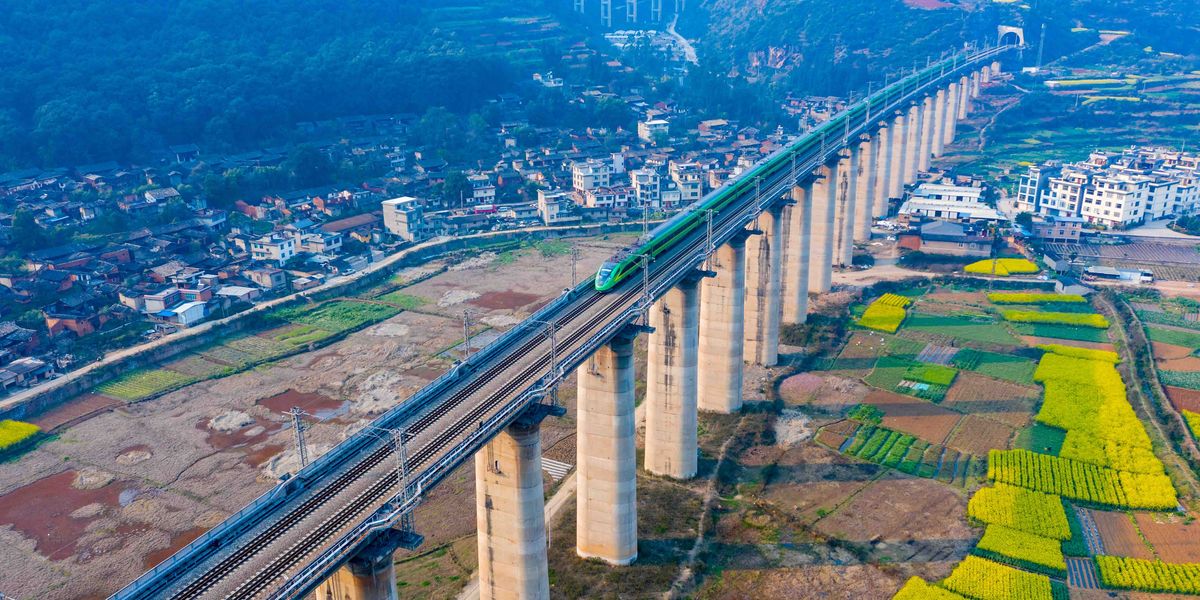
<point>864,196</point>
<point>764,277</point>
<point>606,447</point>
<point>722,327</point>
<point>671,448</point>
<point>896,168</point>
<point>847,194</point>
<point>883,171</point>
<point>951,113</point>
<point>926,150</point>
<point>964,100</point>
<point>820,257</point>
<point>510,515</point>
<point>939,124</point>
<point>796,261</point>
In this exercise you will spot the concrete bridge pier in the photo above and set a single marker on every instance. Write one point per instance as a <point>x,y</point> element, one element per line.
<point>896,168</point>
<point>847,193</point>
<point>975,82</point>
<point>796,259</point>
<point>865,194</point>
<point>927,130</point>
<point>764,274</point>
<point>964,100</point>
<point>606,12</point>
<point>722,330</point>
<point>883,166</point>
<point>631,11</point>
<point>951,113</point>
<point>995,68</point>
<point>369,577</point>
<point>510,515</point>
<point>985,75</point>
<point>912,154</point>
<point>656,10</point>
<point>671,448</point>
<point>606,464</point>
<point>820,256</point>
<point>939,124</point>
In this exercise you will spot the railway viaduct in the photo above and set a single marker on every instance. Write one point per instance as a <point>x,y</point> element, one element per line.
<point>712,303</point>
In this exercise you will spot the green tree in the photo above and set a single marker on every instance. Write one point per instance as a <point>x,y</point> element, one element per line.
<point>456,189</point>
<point>309,167</point>
<point>26,233</point>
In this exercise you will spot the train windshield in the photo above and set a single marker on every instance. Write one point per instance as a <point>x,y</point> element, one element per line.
<point>606,269</point>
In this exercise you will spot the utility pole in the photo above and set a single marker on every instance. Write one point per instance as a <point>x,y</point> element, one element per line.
<point>298,435</point>
<point>467,333</point>
<point>574,262</point>
<point>1041,45</point>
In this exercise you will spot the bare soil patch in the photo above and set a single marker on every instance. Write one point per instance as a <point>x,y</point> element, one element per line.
<point>76,411</point>
<point>505,300</point>
<point>309,402</point>
<point>1169,351</point>
<point>178,540</point>
<point>809,481</point>
<point>1183,398</point>
<point>42,511</point>
<point>807,582</point>
<point>921,418</point>
<point>904,509</point>
<point>976,435</point>
<point>1174,540</point>
<point>1004,401</point>
<point>1119,535</point>
<point>826,393</point>
<point>1033,340</point>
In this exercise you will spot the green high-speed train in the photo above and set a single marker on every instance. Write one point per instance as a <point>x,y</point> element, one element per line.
<point>617,268</point>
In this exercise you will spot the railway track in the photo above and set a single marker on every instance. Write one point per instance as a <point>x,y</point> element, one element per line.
<point>440,450</point>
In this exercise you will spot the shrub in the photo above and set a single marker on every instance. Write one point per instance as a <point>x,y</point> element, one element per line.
<point>1002,267</point>
<point>1149,575</point>
<point>1033,298</point>
<point>984,579</point>
<point>15,433</point>
<point>1056,318</point>
<point>1019,508</point>
<point>931,373</point>
<point>917,589</point>
<point>1077,352</point>
<point>1024,547</point>
<point>867,413</point>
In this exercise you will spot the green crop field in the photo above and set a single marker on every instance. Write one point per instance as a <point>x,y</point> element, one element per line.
<point>1187,339</point>
<point>338,315</point>
<point>1062,332</point>
<point>143,383</point>
<point>404,301</point>
<point>971,329</point>
<point>1183,379</point>
<point>994,364</point>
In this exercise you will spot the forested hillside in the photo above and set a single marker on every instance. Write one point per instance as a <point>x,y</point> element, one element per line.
<point>826,46</point>
<point>89,80</point>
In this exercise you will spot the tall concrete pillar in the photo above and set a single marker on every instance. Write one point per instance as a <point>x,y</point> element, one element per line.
<point>964,97</point>
<point>579,8</point>
<point>722,330</point>
<point>671,382</point>
<point>848,171</point>
<point>656,10</point>
<point>995,68</point>
<point>927,129</point>
<point>820,255</point>
<point>606,13</point>
<point>985,75</point>
<point>883,171</point>
<point>866,182</point>
<point>897,169</point>
<point>951,112</point>
<point>510,516</point>
<point>606,449</point>
<point>975,84</point>
<point>357,580</point>
<point>912,152</point>
<point>764,270</point>
<point>796,261</point>
<point>939,124</point>
<point>631,11</point>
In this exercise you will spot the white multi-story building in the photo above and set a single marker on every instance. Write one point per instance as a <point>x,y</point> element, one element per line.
<point>273,247</point>
<point>689,179</point>
<point>1114,190</point>
<point>647,187</point>
<point>591,174</point>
